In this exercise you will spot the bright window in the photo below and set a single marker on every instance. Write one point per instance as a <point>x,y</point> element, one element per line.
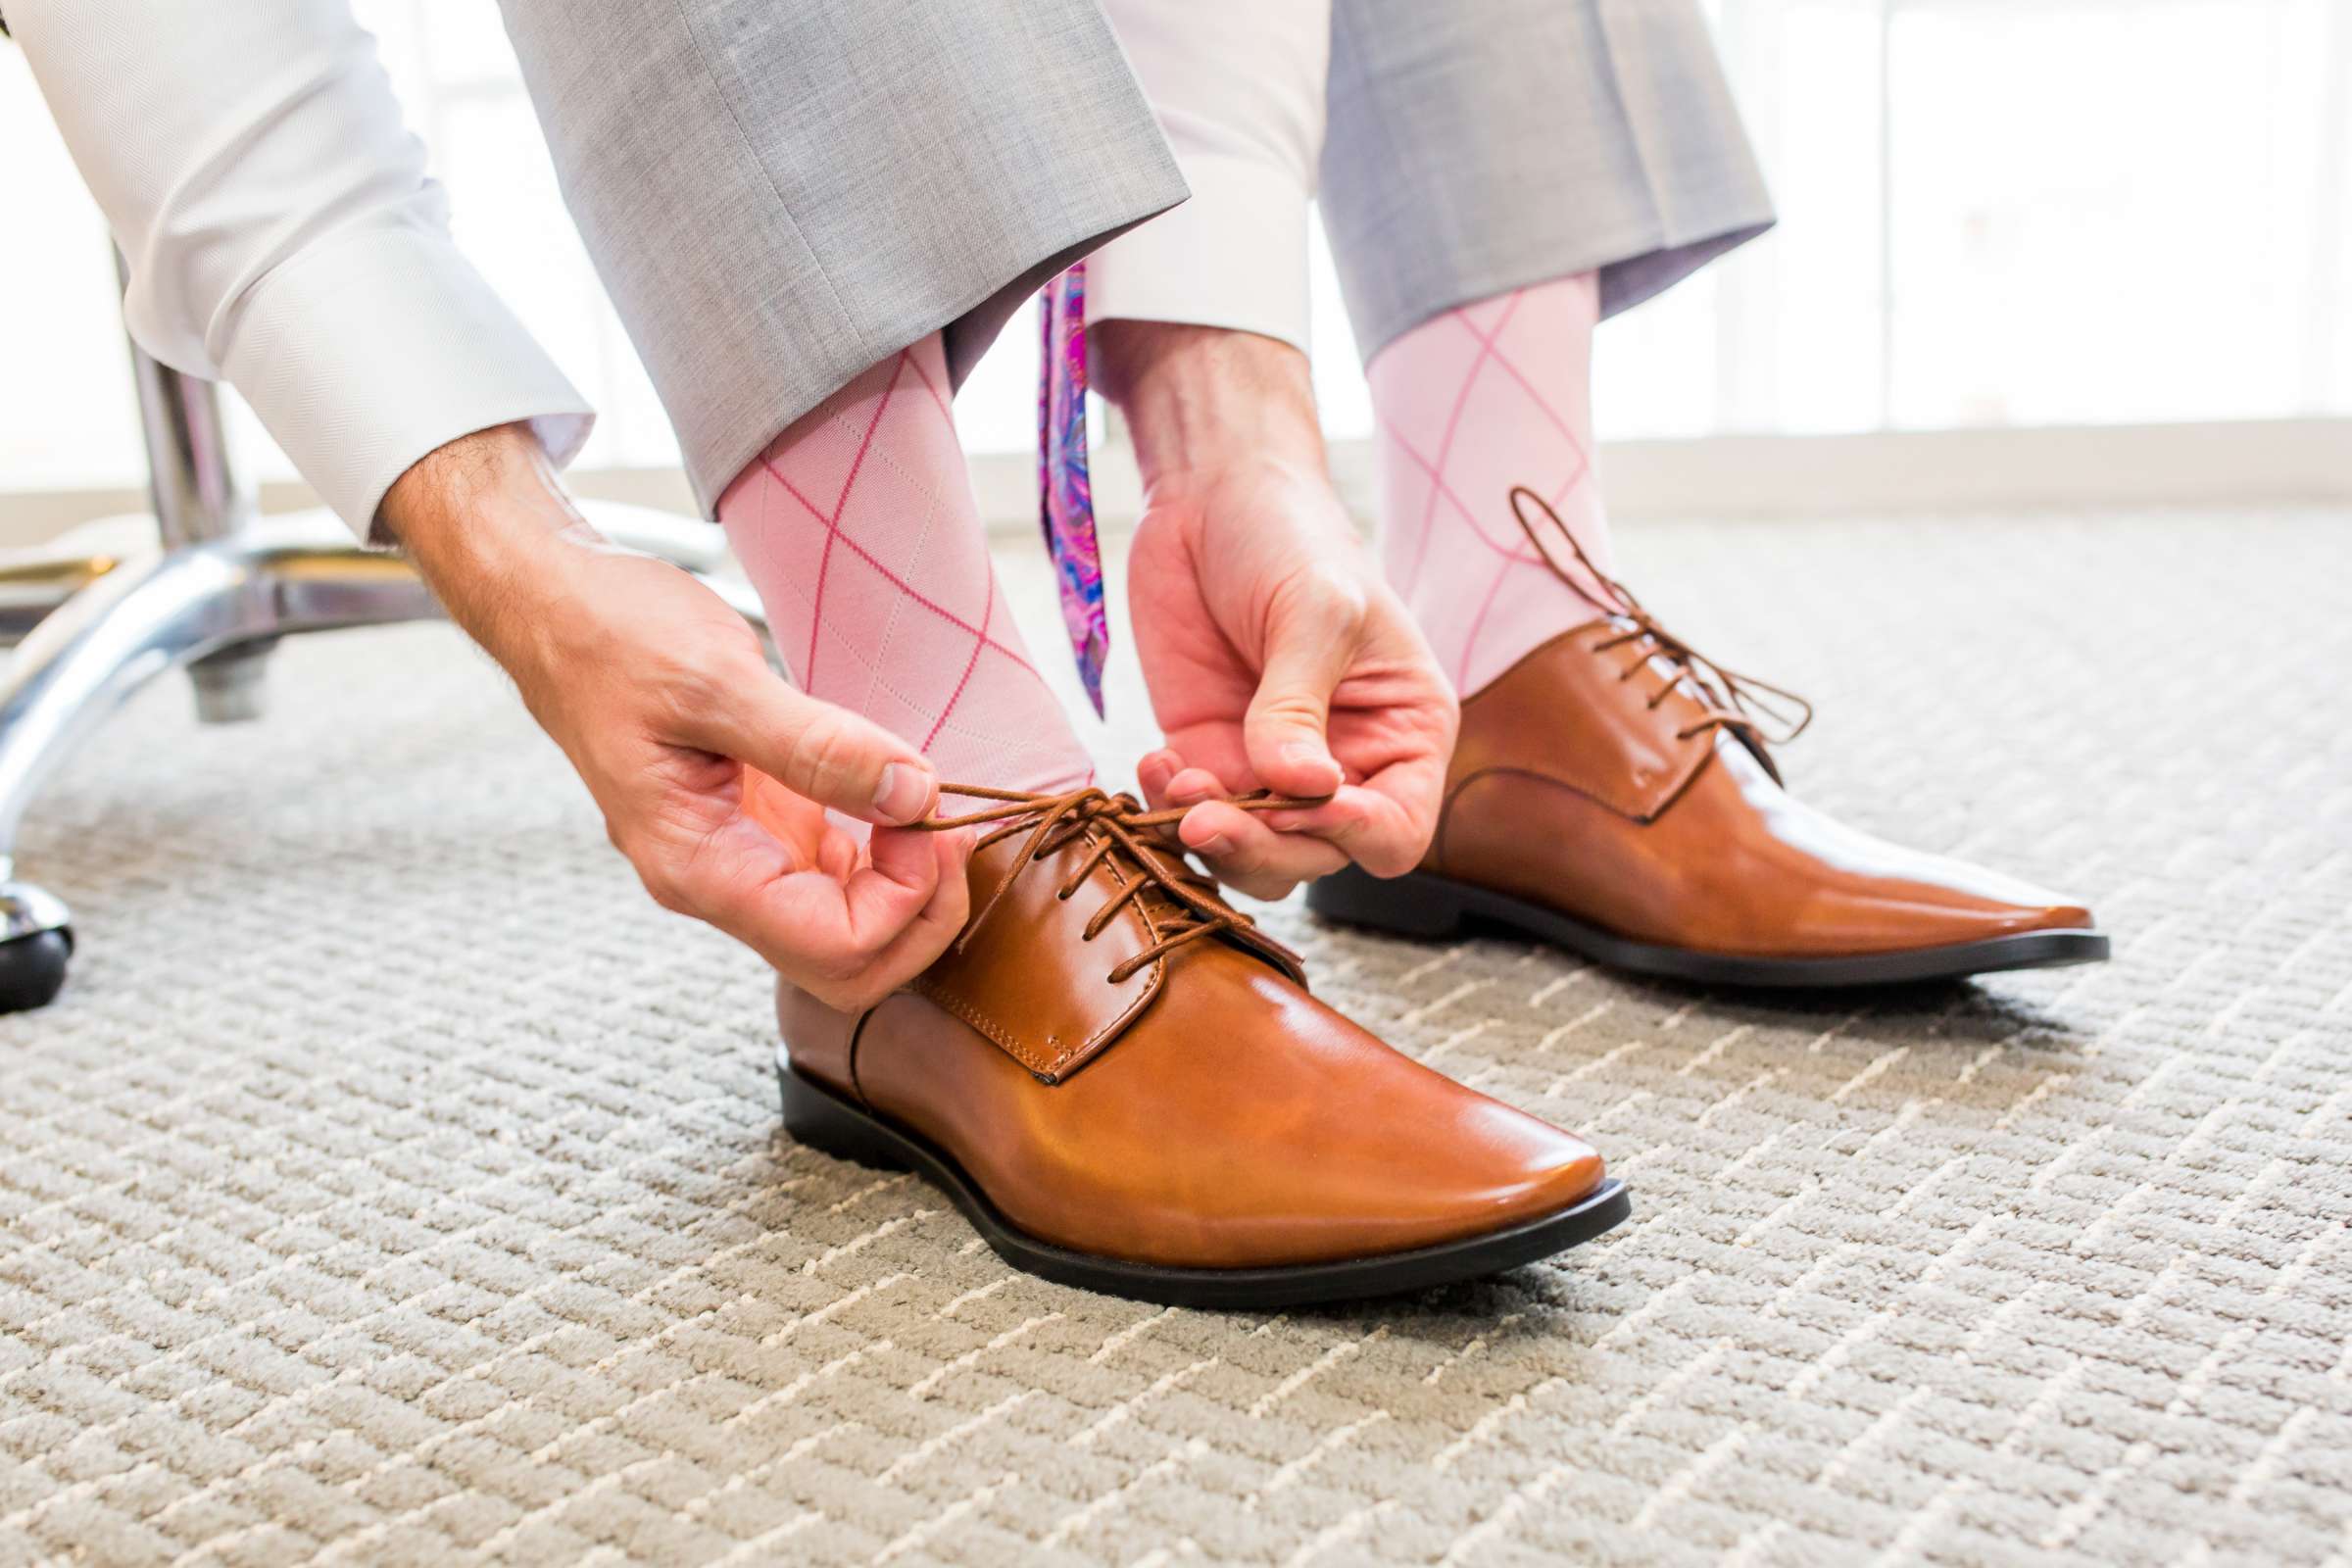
<point>1993,212</point>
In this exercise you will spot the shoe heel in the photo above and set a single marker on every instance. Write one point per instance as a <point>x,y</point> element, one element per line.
<point>819,1119</point>
<point>1409,906</point>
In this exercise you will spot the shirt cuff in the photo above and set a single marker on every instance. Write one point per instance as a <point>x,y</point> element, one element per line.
<point>371,349</point>
<point>1233,256</point>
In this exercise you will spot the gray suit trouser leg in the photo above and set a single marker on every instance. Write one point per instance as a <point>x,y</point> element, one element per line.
<point>1476,146</point>
<point>779,193</point>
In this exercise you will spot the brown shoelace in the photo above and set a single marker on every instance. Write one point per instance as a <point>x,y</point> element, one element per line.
<point>1736,702</point>
<point>1140,842</point>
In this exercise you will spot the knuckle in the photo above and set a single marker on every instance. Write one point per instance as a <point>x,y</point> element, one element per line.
<point>697,678</point>
<point>1329,599</point>
<point>1396,854</point>
<point>852,993</point>
<point>739,656</point>
<point>839,965</point>
<point>1241,866</point>
<point>869,990</point>
<point>821,758</point>
<point>687,688</point>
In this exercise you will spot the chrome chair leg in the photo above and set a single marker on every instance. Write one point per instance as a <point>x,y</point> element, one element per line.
<point>78,666</point>
<point>30,588</point>
<point>214,608</point>
<point>34,583</point>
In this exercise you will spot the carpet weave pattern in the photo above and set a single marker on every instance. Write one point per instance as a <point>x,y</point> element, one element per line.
<point>394,1183</point>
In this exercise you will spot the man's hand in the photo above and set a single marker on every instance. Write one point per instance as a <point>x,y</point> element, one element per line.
<point>712,772</point>
<point>1275,656</point>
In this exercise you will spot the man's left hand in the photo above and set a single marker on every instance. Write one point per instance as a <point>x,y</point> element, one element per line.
<point>1276,657</point>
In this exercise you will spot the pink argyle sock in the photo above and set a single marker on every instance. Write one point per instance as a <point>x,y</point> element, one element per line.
<point>1469,404</point>
<point>858,528</point>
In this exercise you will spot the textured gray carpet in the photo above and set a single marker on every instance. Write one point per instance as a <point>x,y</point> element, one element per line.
<point>394,1184</point>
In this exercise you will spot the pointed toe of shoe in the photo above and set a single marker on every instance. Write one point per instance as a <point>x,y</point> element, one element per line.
<point>1982,906</point>
<point>1971,902</point>
<point>1527,1169</point>
<point>1574,1173</point>
<point>1949,925</point>
<point>1572,1177</point>
<point>2061,913</point>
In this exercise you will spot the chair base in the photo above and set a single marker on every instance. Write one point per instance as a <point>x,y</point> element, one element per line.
<point>106,611</point>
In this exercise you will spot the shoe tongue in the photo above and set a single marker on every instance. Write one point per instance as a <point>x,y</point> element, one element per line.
<point>1163,906</point>
<point>1156,900</point>
<point>1031,980</point>
<point>1028,977</point>
<point>1567,712</point>
<point>1247,941</point>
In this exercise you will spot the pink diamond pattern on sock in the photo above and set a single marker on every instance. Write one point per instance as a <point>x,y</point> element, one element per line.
<point>1469,404</point>
<point>858,529</point>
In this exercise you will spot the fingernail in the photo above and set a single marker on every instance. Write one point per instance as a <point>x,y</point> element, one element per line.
<point>903,793</point>
<point>1214,843</point>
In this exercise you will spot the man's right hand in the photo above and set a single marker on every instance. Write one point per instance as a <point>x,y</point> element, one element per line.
<point>713,774</point>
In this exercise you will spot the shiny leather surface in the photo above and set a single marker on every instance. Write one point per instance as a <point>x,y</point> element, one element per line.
<point>1569,790</point>
<point>1050,1005</point>
<point>1230,1122</point>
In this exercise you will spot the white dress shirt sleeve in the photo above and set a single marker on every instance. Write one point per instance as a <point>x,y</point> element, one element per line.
<point>282,236</point>
<point>1238,86</point>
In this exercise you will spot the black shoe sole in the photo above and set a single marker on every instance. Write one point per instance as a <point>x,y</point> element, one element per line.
<point>1423,905</point>
<point>822,1120</point>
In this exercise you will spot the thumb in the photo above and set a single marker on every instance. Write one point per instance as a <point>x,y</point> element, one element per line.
<point>813,748</point>
<point>1312,639</point>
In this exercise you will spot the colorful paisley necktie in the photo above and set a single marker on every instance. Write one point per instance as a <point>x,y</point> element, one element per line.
<point>1066,502</point>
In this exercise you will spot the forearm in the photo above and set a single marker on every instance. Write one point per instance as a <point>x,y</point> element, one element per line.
<point>1202,398</point>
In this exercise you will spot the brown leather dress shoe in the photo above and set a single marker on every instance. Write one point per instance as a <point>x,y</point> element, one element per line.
<point>1124,1086</point>
<point>1612,793</point>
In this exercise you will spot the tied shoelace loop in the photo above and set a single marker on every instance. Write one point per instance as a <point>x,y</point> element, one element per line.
<point>1141,843</point>
<point>1734,702</point>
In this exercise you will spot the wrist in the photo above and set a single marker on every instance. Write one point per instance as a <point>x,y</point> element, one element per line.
<point>1203,399</point>
<point>487,524</point>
